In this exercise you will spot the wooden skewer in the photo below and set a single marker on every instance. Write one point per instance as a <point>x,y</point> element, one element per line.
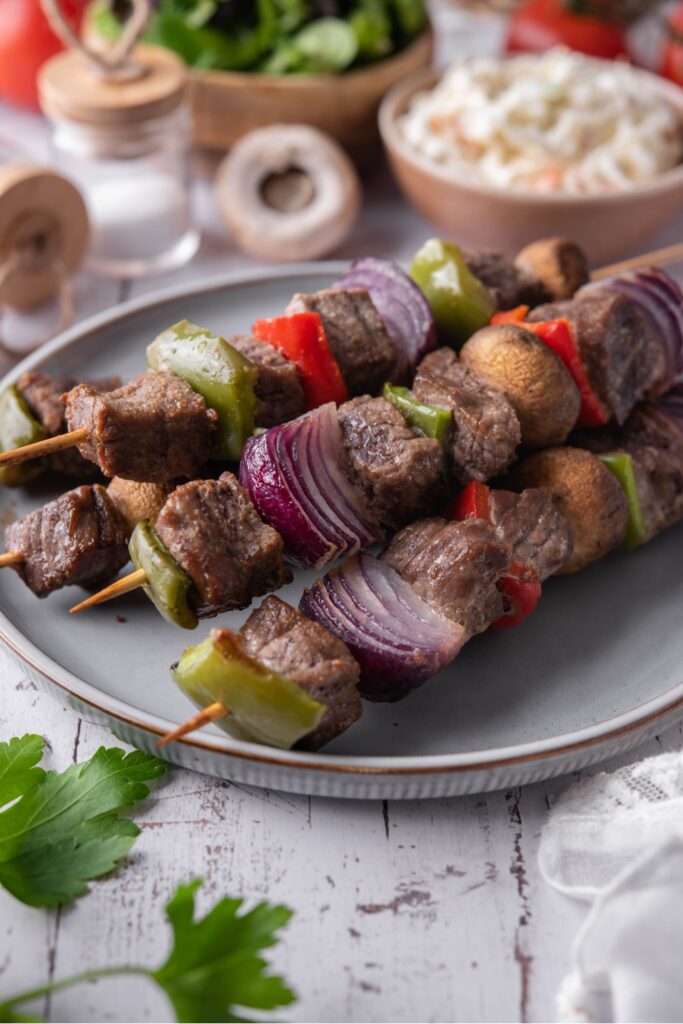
<point>117,589</point>
<point>11,558</point>
<point>210,714</point>
<point>670,254</point>
<point>41,448</point>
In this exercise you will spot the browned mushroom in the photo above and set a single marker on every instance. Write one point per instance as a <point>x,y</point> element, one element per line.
<point>590,497</point>
<point>559,265</point>
<point>534,379</point>
<point>135,501</point>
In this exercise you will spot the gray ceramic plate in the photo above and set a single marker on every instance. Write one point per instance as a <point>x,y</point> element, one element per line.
<point>595,671</point>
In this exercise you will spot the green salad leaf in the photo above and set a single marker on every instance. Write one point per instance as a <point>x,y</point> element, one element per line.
<point>214,969</point>
<point>59,831</point>
<point>273,36</point>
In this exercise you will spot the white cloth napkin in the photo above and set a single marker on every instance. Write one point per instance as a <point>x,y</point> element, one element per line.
<point>618,839</point>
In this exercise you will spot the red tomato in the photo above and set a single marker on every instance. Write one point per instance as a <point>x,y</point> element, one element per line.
<point>672,56</point>
<point>26,41</point>
<point>539,24</point>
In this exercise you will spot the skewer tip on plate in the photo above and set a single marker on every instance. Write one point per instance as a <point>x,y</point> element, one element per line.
<point>116,589</point>
<point>202,718</point>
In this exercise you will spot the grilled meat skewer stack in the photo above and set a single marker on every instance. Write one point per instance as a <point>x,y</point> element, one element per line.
<point>364,341</point>
<point>404,616</point>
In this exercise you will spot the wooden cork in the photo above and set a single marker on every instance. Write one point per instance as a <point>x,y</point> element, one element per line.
<point>153,83</point>
<point>43,233</point>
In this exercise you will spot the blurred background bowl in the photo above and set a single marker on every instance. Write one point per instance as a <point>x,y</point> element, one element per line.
<point>227,104</point>
<point>607,224</point>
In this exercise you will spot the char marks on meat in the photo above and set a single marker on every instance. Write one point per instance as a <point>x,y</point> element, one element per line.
<point>78,538</point>
<point>621,350</point>
<point>44,396</point>
<point>279,392</point>
<point>216,535</point>
<point>284,641</point>
<point>399,471</point>
<point>508,285</point>
<point>356,333</point>
<point>534,527</point>
<point>485,432</point>
<point>454,567</point>
<point>154,429</point>
<point>656,449</point>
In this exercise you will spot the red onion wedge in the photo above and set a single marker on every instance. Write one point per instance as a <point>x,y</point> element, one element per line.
<point>403,307</point>
<point>661,300</point>
<point>295,476</point>
<point>671,406</point>
<point>397,639</point>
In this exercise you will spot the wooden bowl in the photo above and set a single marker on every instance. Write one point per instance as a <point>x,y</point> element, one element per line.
<point>226,104</point>
<point>607,225</point>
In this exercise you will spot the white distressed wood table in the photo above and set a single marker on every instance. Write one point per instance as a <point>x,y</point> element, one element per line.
<point>404,911</point>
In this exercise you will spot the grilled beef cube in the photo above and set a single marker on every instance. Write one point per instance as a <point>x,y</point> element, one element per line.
<point>399,471</point>
<point>656,449</point>
<point>356,333</point>
<point>280,638</point>
<point>485,432</point>
<point>534,528</point>
<point>454,567</point>
<point>279,392</point>
<point>154,429</point>
<point>216,535</point>
<point>508,285</point>
<point>78,538</point>
<point>43,394</point>
<point>620,350</point>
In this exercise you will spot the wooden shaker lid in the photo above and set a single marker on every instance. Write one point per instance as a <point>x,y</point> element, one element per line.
<point>71,89</point>
<point>43,233</point>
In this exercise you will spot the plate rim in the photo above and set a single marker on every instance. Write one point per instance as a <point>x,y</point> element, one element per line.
<point>603,732</point>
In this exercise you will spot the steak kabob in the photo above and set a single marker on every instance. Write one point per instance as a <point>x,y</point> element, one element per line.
<point>378,628</point>
<point>331,481</point>
<point>478,424</point>
<point>373,326</point>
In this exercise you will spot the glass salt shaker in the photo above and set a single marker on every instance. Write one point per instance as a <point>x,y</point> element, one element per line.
<point>124,139</point>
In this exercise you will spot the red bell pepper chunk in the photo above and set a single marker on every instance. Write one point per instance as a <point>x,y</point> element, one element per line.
<point>521,588</point>
<point>471,503</point>
<point>558,335</point>
<point>301,337</point>
<point>520,597</point>
<point>511,316</point>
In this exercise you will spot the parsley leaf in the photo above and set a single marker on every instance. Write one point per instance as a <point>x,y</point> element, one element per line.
<point>18,772</point>
<point>214,964</point>
<point>65,828</point>
<point>214,968</point>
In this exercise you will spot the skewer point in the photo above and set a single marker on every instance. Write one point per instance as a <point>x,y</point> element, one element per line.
<point>116,589</point>
<point>11,558</point>
<point>41,448</point>
<point>210,714</point>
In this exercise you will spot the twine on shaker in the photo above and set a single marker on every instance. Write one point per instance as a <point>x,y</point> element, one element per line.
<point>113,61</point>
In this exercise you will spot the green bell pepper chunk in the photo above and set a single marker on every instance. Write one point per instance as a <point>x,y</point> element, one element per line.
<point>168,586</point>
<point>621,465</point>
<point>460,302</point>
<point>431,420</point>
<point>265,707</point>
<point>216,371</point>
<point>18,427</point>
